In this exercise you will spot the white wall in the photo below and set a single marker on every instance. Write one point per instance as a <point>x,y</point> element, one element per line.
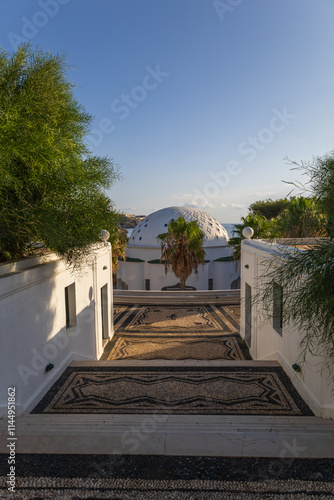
<point>223,274</point>
<point>135,273</point>
<point>144,253</point>
<point>33,329</point>
<point>158,279</point>
<point>132,273</point>
<point>267,343</point>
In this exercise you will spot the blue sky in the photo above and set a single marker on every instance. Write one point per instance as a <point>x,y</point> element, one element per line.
<point>197,101</point>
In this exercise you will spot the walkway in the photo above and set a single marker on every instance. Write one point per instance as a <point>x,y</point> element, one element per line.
<point>153,375</point>
<point>168,334</point>
<point>176,332</point>
<point>175,409</point>
<point>115,477</point>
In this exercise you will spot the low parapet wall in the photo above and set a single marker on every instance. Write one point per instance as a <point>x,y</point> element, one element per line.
<point>177,297</point>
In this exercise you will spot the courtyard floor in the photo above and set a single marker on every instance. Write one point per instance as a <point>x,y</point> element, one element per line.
<point>174,333</point>
<point>175,409</point>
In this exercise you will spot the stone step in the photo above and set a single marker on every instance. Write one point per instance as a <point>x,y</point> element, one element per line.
<point>186,435</point>
<point>175,363</point>
<point>157,297</point>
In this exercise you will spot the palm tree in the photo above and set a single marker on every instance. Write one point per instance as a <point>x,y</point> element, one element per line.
<point>119,241</point>
<point>182,248</point>
<point>262,228</point>
<point>302,218</point>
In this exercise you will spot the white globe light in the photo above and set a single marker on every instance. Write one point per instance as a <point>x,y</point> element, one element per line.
<point>247,232</point>
<point>104,235</point>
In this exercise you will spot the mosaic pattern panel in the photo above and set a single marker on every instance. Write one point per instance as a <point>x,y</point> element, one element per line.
<point>186,320</point>
<point>209,391</point>
<point>176,332</point>
<point>227,347</point>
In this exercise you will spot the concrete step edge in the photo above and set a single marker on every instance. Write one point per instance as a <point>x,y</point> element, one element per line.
<point>232,419</point>
<point>175,363</point>
<point>38,423</point>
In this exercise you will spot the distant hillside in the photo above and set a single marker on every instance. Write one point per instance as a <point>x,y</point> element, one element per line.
<point>130,220</point>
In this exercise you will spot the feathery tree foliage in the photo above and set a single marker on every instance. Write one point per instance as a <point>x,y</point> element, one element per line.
<point>296,217</point>
<point>52,189</point>
<point>320,184</point>
<point>307,276</point>
<point>182,248</point>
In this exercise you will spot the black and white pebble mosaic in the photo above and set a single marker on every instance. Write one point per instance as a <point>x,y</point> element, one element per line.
<point>162,477</point>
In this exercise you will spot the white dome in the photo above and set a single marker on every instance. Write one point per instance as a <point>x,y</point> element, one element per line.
<point>145,234</point>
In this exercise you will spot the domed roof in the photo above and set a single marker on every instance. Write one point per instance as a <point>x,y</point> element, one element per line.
<point>145,234</point>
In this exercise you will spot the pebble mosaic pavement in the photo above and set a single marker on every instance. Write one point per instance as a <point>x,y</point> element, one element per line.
<point>170,390</point>
<point>176,332</point>
<point>91,477</point>
<point>124,477</point>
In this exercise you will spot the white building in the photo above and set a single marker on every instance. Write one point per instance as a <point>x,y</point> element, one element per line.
<point>51,315</point>
<point>270,338</point>
<point>143,271</point>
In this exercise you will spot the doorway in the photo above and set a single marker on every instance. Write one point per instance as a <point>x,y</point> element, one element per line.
<point>104,312</point>
<point>248,314</point>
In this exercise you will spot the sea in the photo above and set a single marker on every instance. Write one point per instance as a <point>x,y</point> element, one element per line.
<point>229,228</point>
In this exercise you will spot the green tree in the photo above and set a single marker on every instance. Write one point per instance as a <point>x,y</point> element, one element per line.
<point>119,240</point>
<point>52,189</point>
<point>269,208</point>
<point>182,248</point>
<point>307,276</point>
<point>296,217</point>
<point>320,173</point>
<point>262,228</point>
<point>301,218</point>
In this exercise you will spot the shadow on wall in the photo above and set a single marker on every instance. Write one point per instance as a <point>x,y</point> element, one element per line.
<point>177,287</point>
<point>121,285</point>
<point>41,327</point>
<point>78,339</point>
<point>235,285</point>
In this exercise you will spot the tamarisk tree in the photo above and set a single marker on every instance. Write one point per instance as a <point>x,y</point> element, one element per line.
<point>52,188</point>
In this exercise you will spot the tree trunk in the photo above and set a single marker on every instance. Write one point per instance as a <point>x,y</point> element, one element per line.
<point>182,284</point>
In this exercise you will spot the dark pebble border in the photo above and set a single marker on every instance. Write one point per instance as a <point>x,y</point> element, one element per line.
<point>148,467</point>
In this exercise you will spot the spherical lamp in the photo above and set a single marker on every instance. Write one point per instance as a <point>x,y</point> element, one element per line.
<point>247,232</point>
<point>104,235</point>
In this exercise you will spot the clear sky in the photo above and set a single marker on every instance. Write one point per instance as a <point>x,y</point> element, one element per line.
<point>197,101</point>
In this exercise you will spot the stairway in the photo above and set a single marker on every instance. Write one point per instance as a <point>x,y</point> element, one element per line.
<point>128,430</point>
<point>179,435</point>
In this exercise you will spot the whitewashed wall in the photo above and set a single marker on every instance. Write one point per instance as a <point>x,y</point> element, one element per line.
<point>266,344</point>
<point>33,329</point>
<point>158,279</point>
<point>223,274</point>
<point>135,273</point>
<point>132,273</point>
